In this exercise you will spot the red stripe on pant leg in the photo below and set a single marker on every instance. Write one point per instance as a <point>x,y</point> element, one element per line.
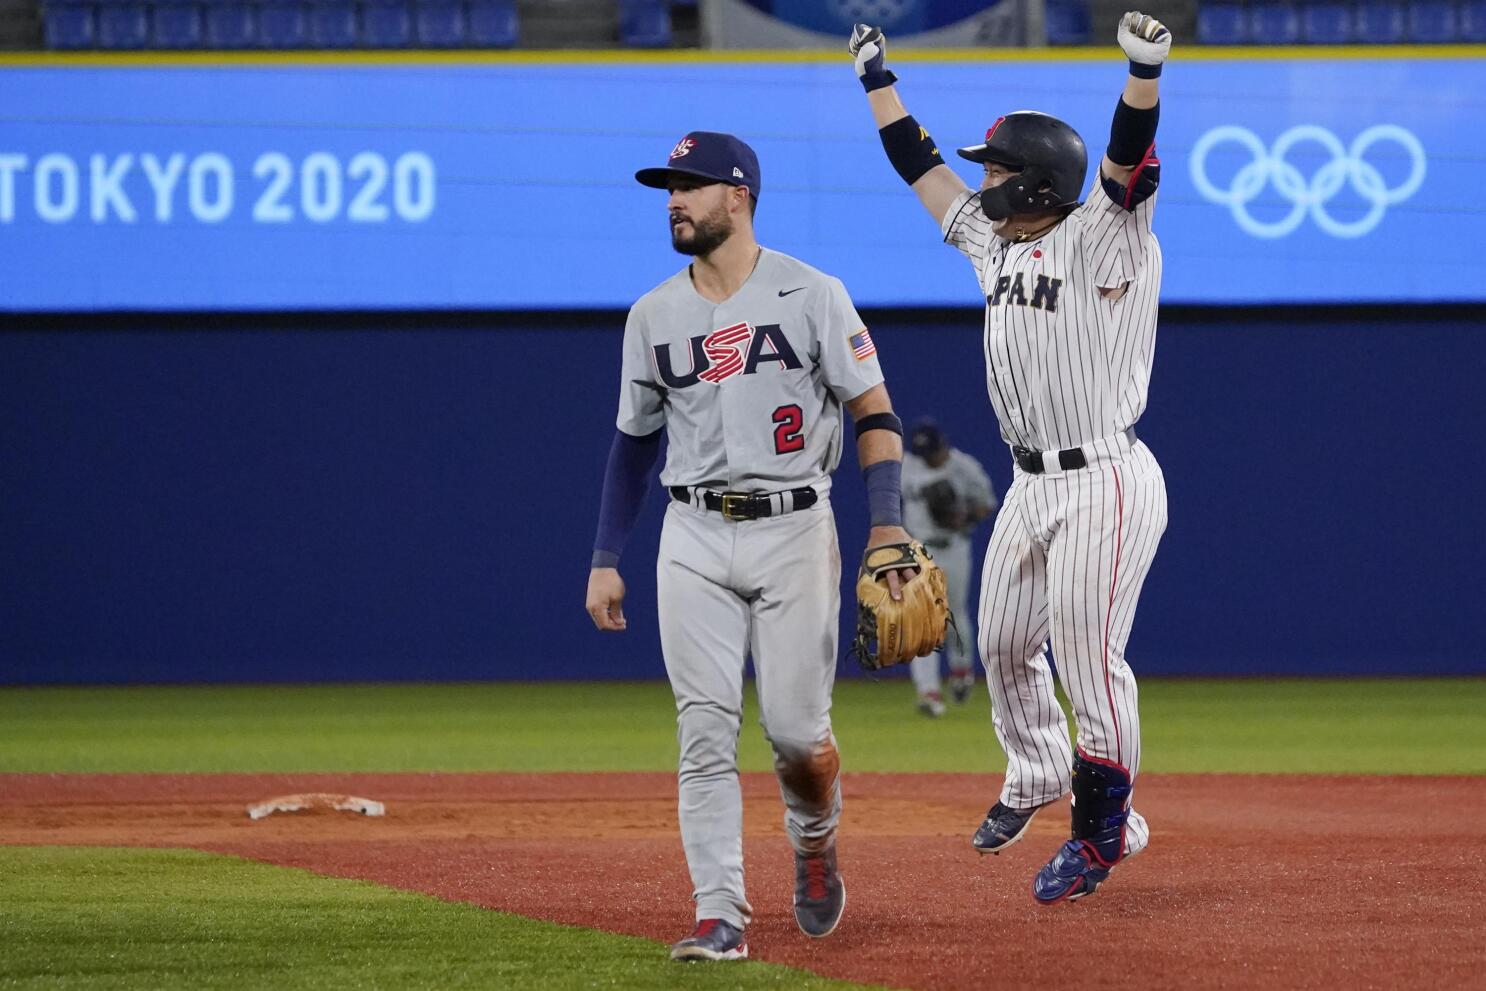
<point>1113,582</point>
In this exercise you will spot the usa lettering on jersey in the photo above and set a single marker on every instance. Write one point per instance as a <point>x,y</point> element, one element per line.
<point>738,349</point>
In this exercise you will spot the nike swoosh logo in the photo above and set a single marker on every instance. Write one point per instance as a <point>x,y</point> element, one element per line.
<point>786,292</point>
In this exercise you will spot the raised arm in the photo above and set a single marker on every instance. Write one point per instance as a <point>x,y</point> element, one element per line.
<point>1146,42</point>
<point>907,143</point>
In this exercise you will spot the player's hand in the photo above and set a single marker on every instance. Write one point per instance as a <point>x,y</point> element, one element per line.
<point>1143,38</point>
<point>869,48</point>
<point>606,599</point>
<point>880,535</point>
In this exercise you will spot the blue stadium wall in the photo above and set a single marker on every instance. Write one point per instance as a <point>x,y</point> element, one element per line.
<point>190,492</point>
<point>414,498</point>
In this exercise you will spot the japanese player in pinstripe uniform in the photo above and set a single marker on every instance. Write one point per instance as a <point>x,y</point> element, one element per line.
<point>745,360</point>
<point>1071,291</point>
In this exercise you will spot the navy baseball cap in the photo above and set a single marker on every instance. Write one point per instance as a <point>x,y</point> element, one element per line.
<point>926,438</point>
<point>707,155</point>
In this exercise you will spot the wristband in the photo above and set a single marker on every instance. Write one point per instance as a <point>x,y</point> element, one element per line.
<point>877,79</point>
<point>909,148</point>
<point>1141,70</point>
<point>884,492</point>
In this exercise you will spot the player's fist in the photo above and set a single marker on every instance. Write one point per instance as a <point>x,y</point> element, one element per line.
<point>1144,39</point>
<point>869,48</point>
<point>606,599</point>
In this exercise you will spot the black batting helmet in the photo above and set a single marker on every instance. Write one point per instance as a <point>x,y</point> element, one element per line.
<point>1047,155</point>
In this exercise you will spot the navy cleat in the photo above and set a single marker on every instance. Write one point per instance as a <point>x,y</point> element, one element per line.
<point>712,939</point>
<point>1101,808</point>
<point>1074,871</point>
<point>820,894</point>
<point>961,684</point>
<point>1003,826</point>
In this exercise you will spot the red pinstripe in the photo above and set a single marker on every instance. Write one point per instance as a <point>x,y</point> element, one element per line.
<point>1109,614</point>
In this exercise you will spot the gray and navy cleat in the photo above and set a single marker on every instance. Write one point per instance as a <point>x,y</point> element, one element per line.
<point>1074,871</point>
<point>1002,827</point>
<point>931,704</point>
<point>712,939</point>
<point>820,894</point>
<point>961,684</point>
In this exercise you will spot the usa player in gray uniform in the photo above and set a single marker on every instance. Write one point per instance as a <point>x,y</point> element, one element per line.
<point>745,360</point>
<point>1071,291</point>
<point>946,494</point>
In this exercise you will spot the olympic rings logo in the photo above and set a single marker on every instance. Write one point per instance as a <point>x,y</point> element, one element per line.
<point>1347,166</point>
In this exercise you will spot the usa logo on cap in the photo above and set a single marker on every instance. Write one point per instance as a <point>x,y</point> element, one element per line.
<point>683,147</point>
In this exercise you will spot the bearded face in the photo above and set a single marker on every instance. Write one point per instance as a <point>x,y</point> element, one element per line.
<point>695,233</point>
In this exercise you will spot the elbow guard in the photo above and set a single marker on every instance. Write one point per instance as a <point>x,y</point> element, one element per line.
<point>909,148</point>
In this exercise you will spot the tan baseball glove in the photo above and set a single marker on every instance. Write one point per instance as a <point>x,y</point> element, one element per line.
<point>894,632</point>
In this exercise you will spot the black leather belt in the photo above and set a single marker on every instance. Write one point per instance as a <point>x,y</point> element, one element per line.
<point>1069,459</point>
<point>746,505</point>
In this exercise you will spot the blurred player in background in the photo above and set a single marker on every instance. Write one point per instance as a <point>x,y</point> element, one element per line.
<point>946,495</point>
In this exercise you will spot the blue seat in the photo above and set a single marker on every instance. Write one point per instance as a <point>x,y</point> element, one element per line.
<point>492,23</point>
<point>1326,23</point>
<point>281,24</point>
<point>1222,24</point>
<point>67,24</point>
<point>332,24</point>
<point>229,24</point>
<point>123,24</point>
<point>386,24</point>
<point>1067,22</point>
<point>175,24</point>
<point>1273,24</point>
<point>1473,20</point>
<point>644,24</point>
<point>1380,22</point>
<point>439,23</point>
<point>1432,22</point>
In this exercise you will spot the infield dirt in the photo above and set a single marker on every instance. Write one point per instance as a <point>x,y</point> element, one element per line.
<point>1250,881</point>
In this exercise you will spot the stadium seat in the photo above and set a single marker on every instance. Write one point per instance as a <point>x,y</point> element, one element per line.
<point>332,24</point>
<point>1067,22</point>
<point>281,24</point>
<point>229,24</point>
<point>644,24</point>
<point>439,23</point>
<point>67,24</point>
<point>1326,23</point>
<point>1222,24</point>
<point>1273,24</point>
<point>492,24</point>
<point>1473,21</point>
<point>123,24</point>
<point>386,24</point>
<point>1380,22</point>
<point>175,24</point>
<point>1432,22</point>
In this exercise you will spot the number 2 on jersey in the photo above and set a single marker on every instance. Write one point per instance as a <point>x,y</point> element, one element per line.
<point>788,435</point>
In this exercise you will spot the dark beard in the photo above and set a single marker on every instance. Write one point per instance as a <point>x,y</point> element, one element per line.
<point>708,234</point>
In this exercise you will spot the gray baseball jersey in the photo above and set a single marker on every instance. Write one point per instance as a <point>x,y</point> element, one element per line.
<point>951,550</point>
<point>1067,367</point>
<point>750,389</point>
<point>750,393</point>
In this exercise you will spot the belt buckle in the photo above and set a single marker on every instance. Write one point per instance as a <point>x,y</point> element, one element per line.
<point>731,499</point>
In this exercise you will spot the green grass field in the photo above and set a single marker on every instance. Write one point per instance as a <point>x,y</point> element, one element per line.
<point>83,917</point>
<point>1282,726</point>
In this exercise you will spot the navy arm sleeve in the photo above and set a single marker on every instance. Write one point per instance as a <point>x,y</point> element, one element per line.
<point>626,477</point>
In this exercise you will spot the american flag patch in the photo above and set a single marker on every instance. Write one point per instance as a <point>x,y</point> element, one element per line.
<point>862,346</point>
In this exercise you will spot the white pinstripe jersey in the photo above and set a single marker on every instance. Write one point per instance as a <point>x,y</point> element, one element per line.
<point>1065,366</point>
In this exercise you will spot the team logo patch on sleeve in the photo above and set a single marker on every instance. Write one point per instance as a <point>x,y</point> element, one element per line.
<point>861,345</point>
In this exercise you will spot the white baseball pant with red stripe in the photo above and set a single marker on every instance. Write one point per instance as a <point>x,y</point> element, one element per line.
<point>1067,558</point>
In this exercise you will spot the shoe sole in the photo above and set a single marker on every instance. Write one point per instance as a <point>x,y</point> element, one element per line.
<point>836,922</point>
<point>692,953</point>
<point>1014,839</point>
